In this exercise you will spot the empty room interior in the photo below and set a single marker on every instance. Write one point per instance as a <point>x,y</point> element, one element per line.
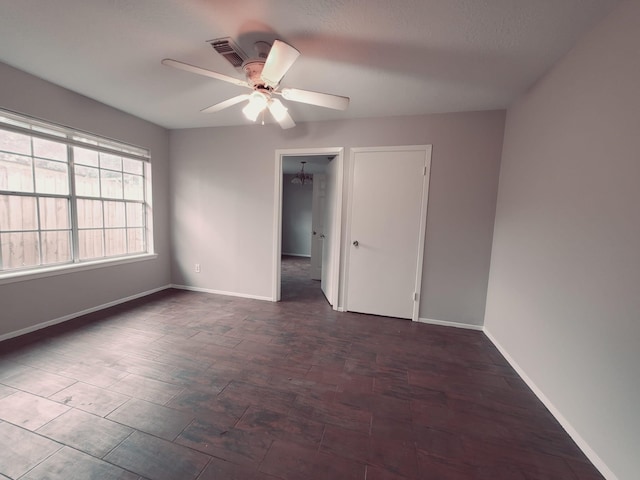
<point>319,239</point>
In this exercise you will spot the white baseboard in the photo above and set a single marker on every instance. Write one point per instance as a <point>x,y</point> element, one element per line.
<point>581,442</point>
<point>445,323</point>
<point>65,318</point>
<point>296,255</point>
<point>221,292</point>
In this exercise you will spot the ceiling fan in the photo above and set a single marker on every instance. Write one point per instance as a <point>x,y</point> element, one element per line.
<point>263,76</point>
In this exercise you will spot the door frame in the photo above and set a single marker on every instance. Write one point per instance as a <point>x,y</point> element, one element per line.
<point>317,234</point>
<point>277,216</point>
<point>423,219</point>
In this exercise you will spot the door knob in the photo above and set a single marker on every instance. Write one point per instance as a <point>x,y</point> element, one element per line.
<point>355,243</point>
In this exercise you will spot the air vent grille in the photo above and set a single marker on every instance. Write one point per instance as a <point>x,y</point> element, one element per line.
<point>229,50</point>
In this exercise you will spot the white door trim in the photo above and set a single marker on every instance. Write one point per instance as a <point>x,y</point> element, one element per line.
<point>277,216</point>
<point>423,219</point>
<point>423,229</point>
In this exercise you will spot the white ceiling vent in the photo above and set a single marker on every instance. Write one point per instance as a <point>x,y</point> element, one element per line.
<point>229,50</point>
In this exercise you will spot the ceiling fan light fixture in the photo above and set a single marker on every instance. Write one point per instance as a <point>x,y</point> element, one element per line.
<point>278,110</point>
<point>257,103</point>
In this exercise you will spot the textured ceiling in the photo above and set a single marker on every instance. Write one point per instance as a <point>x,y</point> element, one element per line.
<point>392,57</point>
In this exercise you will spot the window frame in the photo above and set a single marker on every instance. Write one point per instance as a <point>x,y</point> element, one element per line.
<point>73,138</point>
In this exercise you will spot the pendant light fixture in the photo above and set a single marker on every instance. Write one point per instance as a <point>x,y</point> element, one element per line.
<point>301,178</point>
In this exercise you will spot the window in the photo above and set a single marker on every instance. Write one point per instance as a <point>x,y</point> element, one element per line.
<point>68,197</point>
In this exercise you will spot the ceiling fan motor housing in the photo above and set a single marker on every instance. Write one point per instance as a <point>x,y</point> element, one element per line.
<point>253,67</point>
<point>253,71</point>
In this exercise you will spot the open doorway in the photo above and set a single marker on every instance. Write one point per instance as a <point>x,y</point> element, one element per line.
<point>303,206</point>
<point>307,218</point>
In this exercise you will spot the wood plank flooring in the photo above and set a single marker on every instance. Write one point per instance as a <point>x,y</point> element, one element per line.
<point>183,385</point>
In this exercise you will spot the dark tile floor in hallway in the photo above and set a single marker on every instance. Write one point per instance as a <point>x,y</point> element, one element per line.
<point>182,385</point>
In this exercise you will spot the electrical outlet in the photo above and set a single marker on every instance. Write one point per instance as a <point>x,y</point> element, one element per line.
<point>197,268</point>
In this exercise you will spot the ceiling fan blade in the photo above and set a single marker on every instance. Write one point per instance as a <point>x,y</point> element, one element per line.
<point>280,113</point>
<point>278,62</point>
<point>202,71</point>
<point>316,98</point>
<point>227,103</point>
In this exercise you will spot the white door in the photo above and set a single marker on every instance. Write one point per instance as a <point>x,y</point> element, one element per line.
<point>387,226</point>
<point>330,245</point>
<point>318,200</point>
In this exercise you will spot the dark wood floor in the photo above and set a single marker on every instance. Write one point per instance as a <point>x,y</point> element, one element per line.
<point>183,385</point>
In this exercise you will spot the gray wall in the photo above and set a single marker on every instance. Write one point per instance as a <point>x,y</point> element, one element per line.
<point>296,217</point>
<point>564,289</point>
<point>28,303</point>
<point>222,182</point>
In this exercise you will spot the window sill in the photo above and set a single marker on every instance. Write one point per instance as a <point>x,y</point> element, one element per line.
<point>21,276</point>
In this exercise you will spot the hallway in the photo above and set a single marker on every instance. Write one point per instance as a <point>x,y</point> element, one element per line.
<point>297,286</point>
